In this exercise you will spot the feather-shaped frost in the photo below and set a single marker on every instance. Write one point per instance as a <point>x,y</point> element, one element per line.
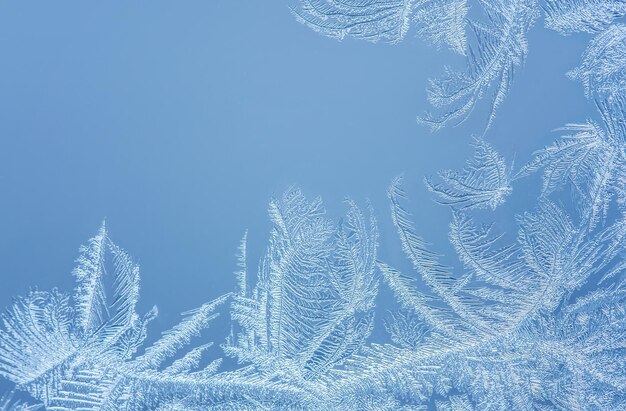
<point>82,357</point>
<point>36,337</point>
<point>455,403</point>
<point>531,322</point>
<point>483,183</point>
<point>592,160</point>
<point>590,16</point>
<point>469,312</point>
<point>373,20</point>
<point>506,352</point>
<point>90,295</point>
<point>443,23</point>
<point>45,339</point>
<point>496,46</point>
<point>439,22</point>
<point>491,337</point>
<point>7,403</point>
<point>313,305</point>
<point>179,336</point>
<point>603,68</point>
<point>473,312</point>
<point>57,348</point>
<point>405,329</point>
<point>498,49</point>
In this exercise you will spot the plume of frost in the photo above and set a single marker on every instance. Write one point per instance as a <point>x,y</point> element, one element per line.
<point>590,16</point>
<point>483,183</point>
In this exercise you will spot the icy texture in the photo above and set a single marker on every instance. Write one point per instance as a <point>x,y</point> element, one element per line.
<point>442,22</point>
<point>484,182</point>
<point>80,352</point>
<point>498,48</point>
<point>376,20</point>
<point>535,320</point>
<point>603,68</point>
<point>312,309</point>
<point>313,305</point>
<point>492,37</point>
<point>570,16</point>
<point>7,403</point>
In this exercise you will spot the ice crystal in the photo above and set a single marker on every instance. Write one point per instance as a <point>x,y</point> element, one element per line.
<point>498,49</point>
<point>534,320</point>
<point>509,332</point>
<point>312,309</point>
<point>592,159</point>
<point>518,326</point>
<point>484,182</point>
<point>603,68</point>
<point>440,22</point>
<point>493,39</point>
<point>7,403</point>
<point>80,353</point>
<point>372,20</point>
<point>570,16</point>
<point>494,42</point>
<point>313,305</point>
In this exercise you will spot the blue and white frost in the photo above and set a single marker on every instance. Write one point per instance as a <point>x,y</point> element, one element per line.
<point>532,322</point>
<point>491,34</point>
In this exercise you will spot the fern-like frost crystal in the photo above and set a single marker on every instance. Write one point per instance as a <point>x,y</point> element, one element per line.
<point>372,20</point>
<point>483,183</point>
<point>311,310</point>
<point>493,41</point>
<point>511,327</point>
<point>528,320</point>
<point>591,16</point>
<point>313,306</point>
<point>498,49</point>
<point>80,352</point>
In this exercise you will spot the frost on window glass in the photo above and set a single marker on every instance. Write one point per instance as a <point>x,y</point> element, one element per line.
<point>533,319</point>
<point>493,39</point>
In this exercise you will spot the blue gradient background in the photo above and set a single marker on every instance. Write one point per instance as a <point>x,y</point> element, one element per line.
<point>177,121</point>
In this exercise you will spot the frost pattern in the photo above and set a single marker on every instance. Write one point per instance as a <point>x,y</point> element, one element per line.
<point>373,20</point>
<point>592,160</point>
<point>7,403</point>
<point>313,305</point>
<point>80,353</point>
<point>311,310</point>
<point>499,48</point>
<point>528,321</point>
<point>591,16</point>
<point>484,182</point>
<point>512,330</point>
<point>516,326</point>
<point>493,38</point>
<point>441,22</point>
<point>603,68</point>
